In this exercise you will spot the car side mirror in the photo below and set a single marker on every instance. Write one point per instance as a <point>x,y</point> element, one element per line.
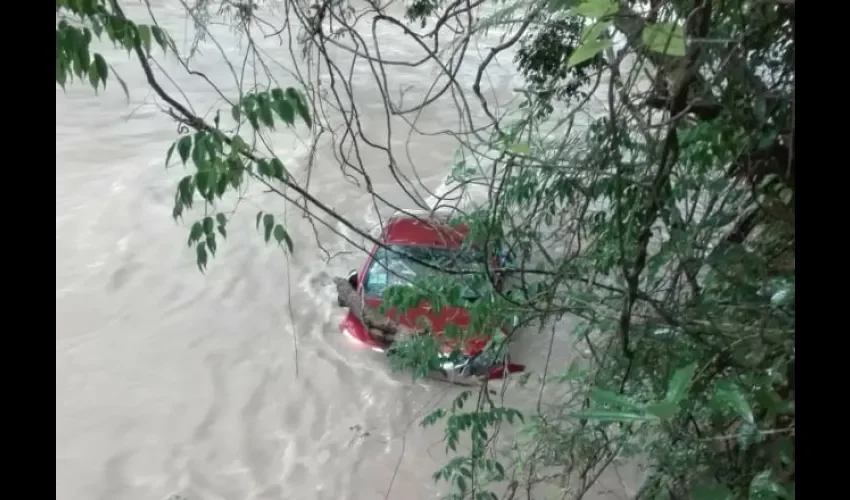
<point>352,279</point>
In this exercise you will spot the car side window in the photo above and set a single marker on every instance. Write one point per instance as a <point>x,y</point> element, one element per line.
<point>377,277</point>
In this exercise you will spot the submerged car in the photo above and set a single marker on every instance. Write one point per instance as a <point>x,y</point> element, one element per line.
<point>407,242</point>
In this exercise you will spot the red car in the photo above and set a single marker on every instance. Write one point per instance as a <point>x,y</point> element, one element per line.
<point>412,240</point>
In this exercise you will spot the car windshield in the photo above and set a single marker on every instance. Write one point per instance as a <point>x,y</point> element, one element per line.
<point>402,264</point>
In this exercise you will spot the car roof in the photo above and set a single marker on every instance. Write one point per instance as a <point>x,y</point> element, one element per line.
<point>424,231</point>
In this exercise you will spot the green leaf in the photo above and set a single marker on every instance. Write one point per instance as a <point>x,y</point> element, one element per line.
<point>595,9</point>
<point>93,77</point>
<point>209,225</point>
<point>281,236</point>
<point>120,82</point>
<point>664,410</point>
<point>159,37</point>
<point>201,256</point>
<point>300,107</point>
<point>221,219</point>
<point>728,394</point>
<point>184,147</point>
<point>520,148</point>
<point>102,68</point>
<point>145,38</point>
<point>205,181</point>
<point>711,492</point>
<point>587,51</point>
<point>763,484</point>
<point>265,111</point>
<point>259,218</point>
<point>268,225</point>
<point>264,168</point>
<point>285,110</point>
<point>594,31</point>
<point>185,190</point>
<point>612,398</point>
<point>211,243</point>
<point>195,233</point>
<point>238,144</point>
<point>611,416</point>
<point>461,484</point>
<point>665,38</point>
<point>679,383</point>
<point>199,152</point>
<point>278,170</point>
<point>252,118</point>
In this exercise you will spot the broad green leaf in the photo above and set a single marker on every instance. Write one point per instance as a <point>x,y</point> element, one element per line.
<point>594,31</point>
<point>277,169</point>
<point>201,256</point>
<point>160,37</point>
<point>120,82</point>
<point>268,225</point>
<point>185,189</point>
<point>461,484</point>
<point>296,100</point>
<point>184,147</point>
<point>252,116</point>
<point>211,244</point>
<point>730,395</point>
<point>283,107</point>
<point>665,38</point>
<point>763,485</point>
<point>264,168</point>
<point>679,383</point>
<point>611,416</point>
<point>587,51</point>
<point>595,9</point>
<point>199,152</point>
<point>93,77</point>
<point>195,233</point>
<point>282,237</point>
<point>102,68</point>
<point>145,38</point>
<point>711,492</point>
<point>612,398</point>
<point>664,410</point>
<point>238,144</point>
<point>265,111</point>
<point>285,110</point>
<point>209,225</point>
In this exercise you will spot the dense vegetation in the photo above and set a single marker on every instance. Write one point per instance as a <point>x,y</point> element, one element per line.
<point>665,223</point>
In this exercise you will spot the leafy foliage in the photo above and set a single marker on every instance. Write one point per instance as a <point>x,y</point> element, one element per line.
<point>682,276</point>
<point>221,160</point>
